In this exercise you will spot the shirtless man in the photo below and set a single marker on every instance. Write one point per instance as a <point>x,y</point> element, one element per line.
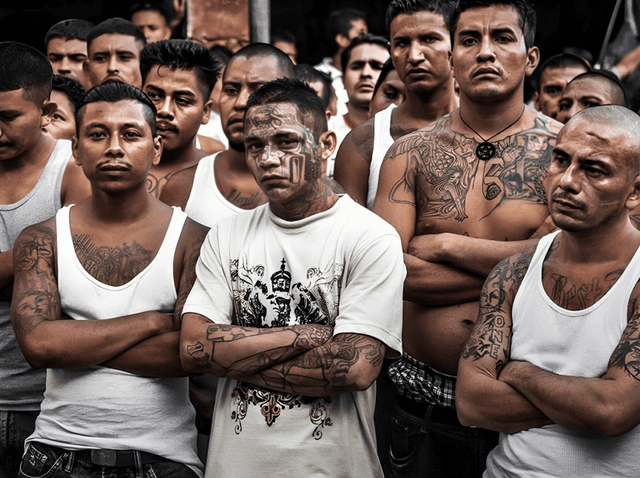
<point>178,76</point>
<point>36,179</point>
<point>476,172</point>
<point>222,185</point>
<point>119,265</point>
<point>552,362</point>
<point>420,47</point>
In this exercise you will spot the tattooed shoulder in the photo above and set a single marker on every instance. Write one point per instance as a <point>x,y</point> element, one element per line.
<point>362,139</point>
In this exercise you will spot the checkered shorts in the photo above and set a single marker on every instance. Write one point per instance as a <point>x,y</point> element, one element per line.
<point>420,383</point>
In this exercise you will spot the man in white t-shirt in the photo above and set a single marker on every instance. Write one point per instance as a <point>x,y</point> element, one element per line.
<point>295,305</point>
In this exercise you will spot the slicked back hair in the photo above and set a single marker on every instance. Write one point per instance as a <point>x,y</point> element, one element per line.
<point>396,7</point>
<point>74,90</point>
<point>115,25</point>
<point>523,7</point>
<point>309,74</point>
<point>71,28</point>
<point>184,55</point>
<point>366,38</point>
<point>24,67</point>
<point>285,65</point>
<point>294,91</point>
<point>112,92</point>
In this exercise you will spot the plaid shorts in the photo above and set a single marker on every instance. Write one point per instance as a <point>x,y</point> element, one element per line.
<point>420,383</point>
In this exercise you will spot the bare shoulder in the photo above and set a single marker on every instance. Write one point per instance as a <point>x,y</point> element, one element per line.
<point>193,234</point>
<point>75,185</point>
<point>210,145</point>
<point>178,188</point>
<point>421,140</point>
<point>34,240</point>
<point>362,138</point>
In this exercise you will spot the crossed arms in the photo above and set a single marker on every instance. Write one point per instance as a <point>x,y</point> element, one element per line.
<point>510,396</point>
<point>144,343</point>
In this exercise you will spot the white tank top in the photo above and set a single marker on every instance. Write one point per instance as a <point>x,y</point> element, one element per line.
<point>567,342</point>
<point>382,141</point>
<point>206,204</point>
<point>99,407</point>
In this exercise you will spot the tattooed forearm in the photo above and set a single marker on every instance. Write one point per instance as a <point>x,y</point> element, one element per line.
<point>626,356</point>
<point>346,363</point>
<point>234,351</point>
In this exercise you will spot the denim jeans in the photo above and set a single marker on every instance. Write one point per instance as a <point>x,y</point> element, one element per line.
<point>421,447</point>
<point>44,461</point>
<point>15,427</point>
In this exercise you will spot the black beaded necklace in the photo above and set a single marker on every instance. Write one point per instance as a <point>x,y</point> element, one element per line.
<point>485,150</point>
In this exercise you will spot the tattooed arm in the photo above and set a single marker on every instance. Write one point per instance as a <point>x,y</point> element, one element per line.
<point>234,351</point>
<point>481,398</point>
<point>159,356</point>
<point>609,404</point>
<point>427,283</point>
<point>177,190</point>
<point>353,161</point>
<point>45,339</point>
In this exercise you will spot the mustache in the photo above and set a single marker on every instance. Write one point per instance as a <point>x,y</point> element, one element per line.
<point>567,198</point>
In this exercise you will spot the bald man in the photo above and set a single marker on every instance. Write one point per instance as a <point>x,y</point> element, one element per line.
<point>594,88</point>
<point>552,362</point>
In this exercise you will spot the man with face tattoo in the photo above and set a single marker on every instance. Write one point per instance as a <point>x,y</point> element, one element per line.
<point>295,305</point>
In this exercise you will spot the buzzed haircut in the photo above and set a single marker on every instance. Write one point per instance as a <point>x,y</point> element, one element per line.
<point>161,7</point>
<point>340,21</point>
<point>292,90</point>
<point>283,36</point>
<point>309,74</point>
<point>524,8</point>
<point>71,28</point>
<point>112,92</point>
<point>285,65</point>
<point>184,55</point>
<point>609,78</point>
<point>74,90</point>
<point>366,38</point>
<point>386,69</point>
<point>24,67</point>
<point>561,60</point>
<point>396,7</point>
<point>116,25</point>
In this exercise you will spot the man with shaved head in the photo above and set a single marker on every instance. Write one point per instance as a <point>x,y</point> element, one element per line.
<point>552,362</point>
<point>594,88</point>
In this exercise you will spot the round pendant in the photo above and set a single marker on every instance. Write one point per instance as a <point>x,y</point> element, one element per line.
<point>485,151</point>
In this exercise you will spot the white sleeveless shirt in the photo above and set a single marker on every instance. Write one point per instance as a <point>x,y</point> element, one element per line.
<point>567,342</point>
<point>382,141</point>
<point>99,407</point>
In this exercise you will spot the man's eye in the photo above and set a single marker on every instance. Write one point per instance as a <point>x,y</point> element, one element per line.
<point>57,117</point>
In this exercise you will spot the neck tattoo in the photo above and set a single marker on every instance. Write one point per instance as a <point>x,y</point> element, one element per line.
<point>485,150</point>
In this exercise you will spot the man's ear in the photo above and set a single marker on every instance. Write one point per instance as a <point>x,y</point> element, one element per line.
<point>74,149</point>
<point>533,58</point>
<point>206,112</point>
<point>157,146</point>
<point>48,108</point>
<point>328,142</point>
<point>342,41</point>
<point>633,200</point>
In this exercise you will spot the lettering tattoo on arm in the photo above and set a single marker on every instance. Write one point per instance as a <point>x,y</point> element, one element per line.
<point>491,335</point>
<point>35,297</point>
<point>304,338</point>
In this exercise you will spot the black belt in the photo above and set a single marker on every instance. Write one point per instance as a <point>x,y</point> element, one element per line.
<point>102,457</point>
<point>419,409</point>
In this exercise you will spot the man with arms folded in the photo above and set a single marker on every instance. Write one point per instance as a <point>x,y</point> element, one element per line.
<point>295,305</point>
<point>119,266</point>
<point>552,362</point>
<point>463,192</point>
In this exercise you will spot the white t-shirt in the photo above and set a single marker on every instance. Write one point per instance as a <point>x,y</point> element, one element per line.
<point>342,266</point>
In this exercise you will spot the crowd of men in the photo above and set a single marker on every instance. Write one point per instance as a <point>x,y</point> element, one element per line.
<point>217,262</point>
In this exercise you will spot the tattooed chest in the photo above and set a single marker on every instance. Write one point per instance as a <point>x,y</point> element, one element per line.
<point>578,293</point>
<point>111,265</point>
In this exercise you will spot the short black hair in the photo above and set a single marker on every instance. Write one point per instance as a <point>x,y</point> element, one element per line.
<point>112,92</point>
<point>284,36</point>
<point>386,69</point>
<point>396,7</point>
<point>609,78</point>
<point>184,55</point>
<point>71,28</point>
<point>366,38</point>
<point>160,7</point>
<point>340,21</point>
<point>24,67</point>
<point>221,53</point>
<point>265,50</point>
<point>74,90</point>
<point>524,8</point>
<point>309,74</point>
<point>309,105</point>
<point>561,60</point>
<point>115,25</point>
<point>292,90</point>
